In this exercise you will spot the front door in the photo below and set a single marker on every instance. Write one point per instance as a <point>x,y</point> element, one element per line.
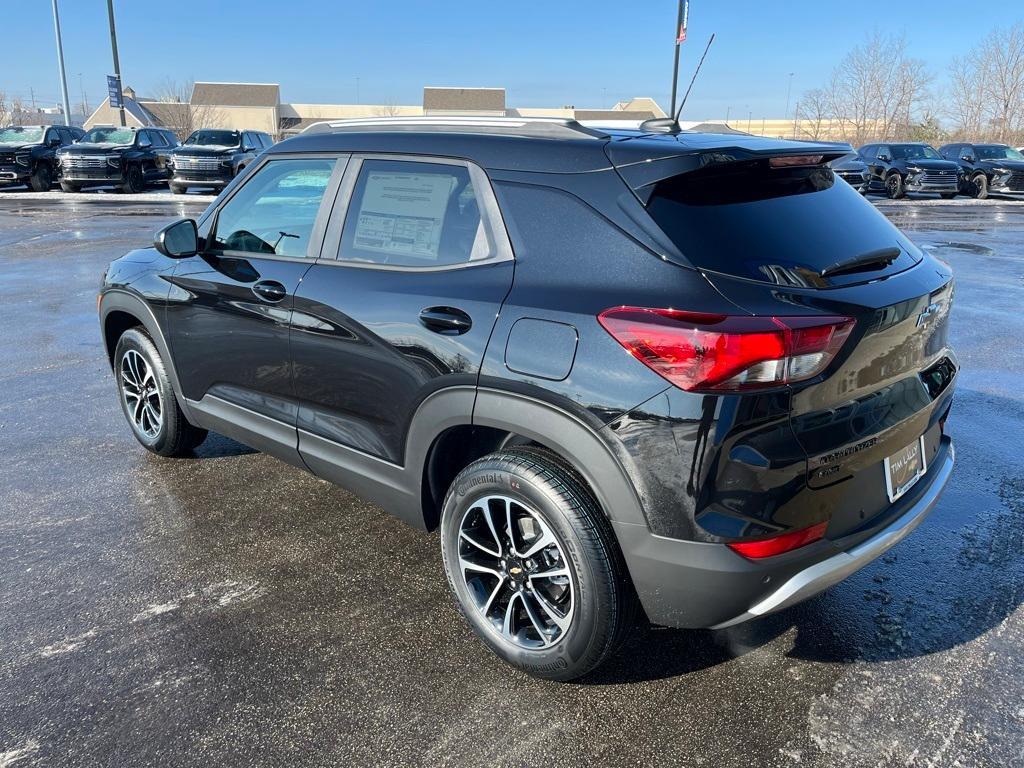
<point>401,304</point>
<point>230,307</point>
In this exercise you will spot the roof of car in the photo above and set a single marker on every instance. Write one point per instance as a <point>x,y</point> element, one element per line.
<point>551,145</point>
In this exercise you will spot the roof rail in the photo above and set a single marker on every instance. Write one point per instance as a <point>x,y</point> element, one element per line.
<point>540,127</point>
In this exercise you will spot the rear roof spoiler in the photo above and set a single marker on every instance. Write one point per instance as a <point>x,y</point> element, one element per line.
<point>643,163</point>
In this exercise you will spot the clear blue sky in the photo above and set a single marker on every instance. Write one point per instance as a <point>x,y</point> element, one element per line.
<point>551,53</point>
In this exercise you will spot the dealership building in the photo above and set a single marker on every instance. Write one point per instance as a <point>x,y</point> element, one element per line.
<point>258,106</point>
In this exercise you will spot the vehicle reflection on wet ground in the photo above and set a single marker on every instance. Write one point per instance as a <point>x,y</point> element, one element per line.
<point>231,609</point>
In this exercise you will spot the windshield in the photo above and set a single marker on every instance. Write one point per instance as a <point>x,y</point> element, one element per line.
<point>20,134</point>
<point>214,138</point>
<point>110,136</point>
<point>997,152</point>
<point>914,152</point>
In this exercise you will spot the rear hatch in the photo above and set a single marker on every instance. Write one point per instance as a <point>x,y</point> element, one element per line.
<point>785,239</point>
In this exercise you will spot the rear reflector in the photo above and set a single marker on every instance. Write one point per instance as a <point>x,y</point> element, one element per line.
<point>795,161</point>
<point>776,545</point>
<point>702,352</point>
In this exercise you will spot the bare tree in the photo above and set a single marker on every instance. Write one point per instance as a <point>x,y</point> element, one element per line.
<point>966,98</point>
<point>875,91</point>
<point>18,111</point>
<point>813,114</point>
<point>4,112</point>
<point>176,111</point>
<point>1002,55</point>
<point>387,110</point>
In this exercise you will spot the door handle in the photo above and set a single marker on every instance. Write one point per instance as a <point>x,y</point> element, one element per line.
<point>270,290</point>
<point>447,320</point>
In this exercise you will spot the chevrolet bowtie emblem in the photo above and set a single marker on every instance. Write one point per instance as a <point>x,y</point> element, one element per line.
<point>927,312</point>
<point>515,571</point>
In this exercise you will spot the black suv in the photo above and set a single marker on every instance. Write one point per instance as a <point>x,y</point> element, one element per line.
<point>28,153</point>
<point>688,371</point>
<point>128,158</point>
<point>897,169</point>
<point>853,170</point>
<point>212,158</point>
<point>987,168</point>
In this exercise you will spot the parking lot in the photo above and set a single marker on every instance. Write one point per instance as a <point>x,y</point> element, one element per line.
<point>229,609</point>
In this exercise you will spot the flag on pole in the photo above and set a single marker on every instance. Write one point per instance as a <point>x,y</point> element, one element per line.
<point>681,37</point>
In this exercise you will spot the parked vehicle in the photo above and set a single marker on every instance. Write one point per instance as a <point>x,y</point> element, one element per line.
<point>853,170</point>
<point>27,153</point>
<point>699,389</point>
<point>212,158</point>
<point>897,169</point>
<point>128,158</point>
<point>987,168</point>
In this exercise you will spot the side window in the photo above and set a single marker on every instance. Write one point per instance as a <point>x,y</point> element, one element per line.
<point>966,152</point>
<point>172,140</point>
<point>157,138</point>
<point>249,141</point>
<point>51,134</point>
<point>266,140</point>
<point>143,139</point>
<point>274,212</point>
<point>880,151</point>
<point>412,214</point>
<point>868,152</point>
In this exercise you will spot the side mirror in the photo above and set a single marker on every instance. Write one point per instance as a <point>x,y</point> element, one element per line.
<point>970,158</point>
<point>178,240</point>
<point>885,158</point>
<point>53,143</point>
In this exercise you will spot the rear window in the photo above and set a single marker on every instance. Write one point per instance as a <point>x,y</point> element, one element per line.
<point>769,224</point>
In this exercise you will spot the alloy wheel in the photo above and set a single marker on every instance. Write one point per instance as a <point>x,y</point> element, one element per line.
<point>141,394</point>
<point>516,572</point>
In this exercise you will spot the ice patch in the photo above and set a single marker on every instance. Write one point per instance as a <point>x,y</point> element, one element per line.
<point>67,645</point>
<point>12,756</point>
<point>155,610</point>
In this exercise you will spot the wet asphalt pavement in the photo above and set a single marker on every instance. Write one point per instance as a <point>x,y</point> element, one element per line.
<point>231,610</point>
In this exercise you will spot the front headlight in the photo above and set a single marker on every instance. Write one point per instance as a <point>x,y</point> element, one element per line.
<point>24,158</point>
<point>913,169</point>
<point>226,163</point>
<point>114,161</point>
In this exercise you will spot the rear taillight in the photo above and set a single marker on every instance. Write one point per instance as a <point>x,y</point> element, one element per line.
<point>776,545</point>
<point>703,352</point>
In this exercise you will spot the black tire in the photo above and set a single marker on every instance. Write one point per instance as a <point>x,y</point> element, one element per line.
<point>947,195</point>
<point>41,179</point>
<point>175,436</point>
<point>979,187</point>
<point>604,604</point>
<point>69,186</point>
<point>178,189</point>
<point>894,189</point>
<point>134,181</point>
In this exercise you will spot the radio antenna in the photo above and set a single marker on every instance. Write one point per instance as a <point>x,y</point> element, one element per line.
<point>695,73</point>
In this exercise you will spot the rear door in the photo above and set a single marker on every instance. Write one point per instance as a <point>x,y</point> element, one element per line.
<point>230,308</point>
<point>415,266</point>
<point>796,242</point>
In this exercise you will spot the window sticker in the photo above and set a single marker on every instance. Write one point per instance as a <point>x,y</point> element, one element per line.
<point>403,213</point>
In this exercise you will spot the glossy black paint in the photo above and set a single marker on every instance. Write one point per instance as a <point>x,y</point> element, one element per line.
<point>388,380</point>
<point>150,152</point>
<point>853,170</point>
<point>20,161</point>
<point>1005,177</point>
<point>205,166</point>
<point>919,175</point>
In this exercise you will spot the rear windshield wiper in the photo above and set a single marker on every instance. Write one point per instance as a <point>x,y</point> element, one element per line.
<point>866,262</point>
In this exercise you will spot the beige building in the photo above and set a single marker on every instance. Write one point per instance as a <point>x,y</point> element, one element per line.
<point>258,106</point>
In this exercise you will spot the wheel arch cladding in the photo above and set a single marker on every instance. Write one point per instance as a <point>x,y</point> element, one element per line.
<point>119,311</point>
<point>569,436</point>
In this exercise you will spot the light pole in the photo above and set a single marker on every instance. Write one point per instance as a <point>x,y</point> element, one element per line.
<point>113,48</point>
<point>60,66</point>
<point>789,90</point>
<point>727,111</point>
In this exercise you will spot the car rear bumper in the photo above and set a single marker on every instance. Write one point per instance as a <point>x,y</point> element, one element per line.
<point>702,585</point>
